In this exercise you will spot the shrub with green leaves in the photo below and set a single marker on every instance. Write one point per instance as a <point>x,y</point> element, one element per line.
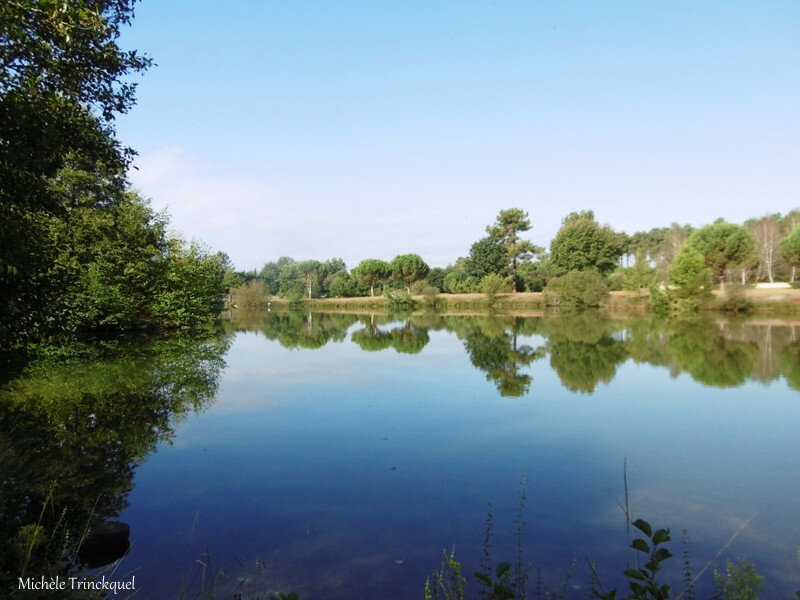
<point>740,581</point>
<point>689,274</point>
<point>253,294</point>
<point>399,301</point>
<point>577,288</point>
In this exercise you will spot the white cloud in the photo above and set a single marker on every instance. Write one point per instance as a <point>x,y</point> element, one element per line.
<point>254,223</point>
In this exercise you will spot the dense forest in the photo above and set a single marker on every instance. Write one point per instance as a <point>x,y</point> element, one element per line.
<point>585,260</point>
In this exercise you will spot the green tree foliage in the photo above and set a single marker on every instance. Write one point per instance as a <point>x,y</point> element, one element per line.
<point>112,264</point>
<point>340,285</point>
<point>271,273</point>
<point>407,268</point>
<point>689,274</point>
<point>61,85</point>
<point>582,244</point>
<point>577,288</point>
<point>192,285</point>
<point>308,273</point>
<point>640,276</point>
<point>435,277</point>
<point>506,229</point>
<point>723,246</point>
<point>790,248</point>
<point>371,272</point>
<point>399,301</point>
<point>488,255</point>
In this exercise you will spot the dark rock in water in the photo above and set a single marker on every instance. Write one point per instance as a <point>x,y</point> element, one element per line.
<point>105,543</point>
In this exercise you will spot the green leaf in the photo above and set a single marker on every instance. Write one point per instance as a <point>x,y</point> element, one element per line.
<point>634,574</point>
<point>644,526</point>
<point>641,545</point>
<point>502,592</point>
<point>638,590</point>
<point>503,569</point>
<point>661,554</point>
<point>660,536</point>
<point>483,578</point>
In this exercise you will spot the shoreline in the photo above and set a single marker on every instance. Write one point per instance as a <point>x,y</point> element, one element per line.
<point>785,301</point>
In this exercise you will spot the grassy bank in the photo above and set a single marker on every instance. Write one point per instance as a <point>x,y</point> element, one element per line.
<point>762,301</point>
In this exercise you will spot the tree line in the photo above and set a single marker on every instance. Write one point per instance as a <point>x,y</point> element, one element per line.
<point>585,260</point>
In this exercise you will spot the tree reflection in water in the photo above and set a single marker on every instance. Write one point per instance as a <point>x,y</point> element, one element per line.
<point>585,349</point>
<point>76,423</point>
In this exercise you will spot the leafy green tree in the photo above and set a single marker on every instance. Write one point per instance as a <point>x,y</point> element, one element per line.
<point>309,273</point>
<point>689,274</point>
<point>191,287</point>
<point>790,248</point>
<point>581,244</point>
<point>436,278</point>
<point>723,246</point>
<point>407,268</point>
<point>271,274</point>
<point>640,276</point>
<point>487,255</point>
<point>340,285</point>
<point>506,229</point>
<point>61,84</point>
<point>371,272</point>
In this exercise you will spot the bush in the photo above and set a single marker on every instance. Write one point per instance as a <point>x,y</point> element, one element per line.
<point>492,285</point>
<point>430,295</point>
<point>578,288</point>
<point>253,294</point>
<point>399,301</point>
<point>294,297</point>
<point>659,301</point>
<point>616,280</point>
<point>736,302</point>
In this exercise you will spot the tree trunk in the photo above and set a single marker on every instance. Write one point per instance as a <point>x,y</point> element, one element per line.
<point>722,281</point>
<point>372,290</point>
<point>514,268</point>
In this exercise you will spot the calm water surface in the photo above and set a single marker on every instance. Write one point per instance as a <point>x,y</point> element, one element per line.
<point>337,455</point>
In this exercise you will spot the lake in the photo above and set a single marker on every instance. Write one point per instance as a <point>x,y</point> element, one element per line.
<point>337,455</point>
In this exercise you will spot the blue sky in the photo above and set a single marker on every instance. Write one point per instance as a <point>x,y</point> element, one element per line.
<point>369,129</point>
